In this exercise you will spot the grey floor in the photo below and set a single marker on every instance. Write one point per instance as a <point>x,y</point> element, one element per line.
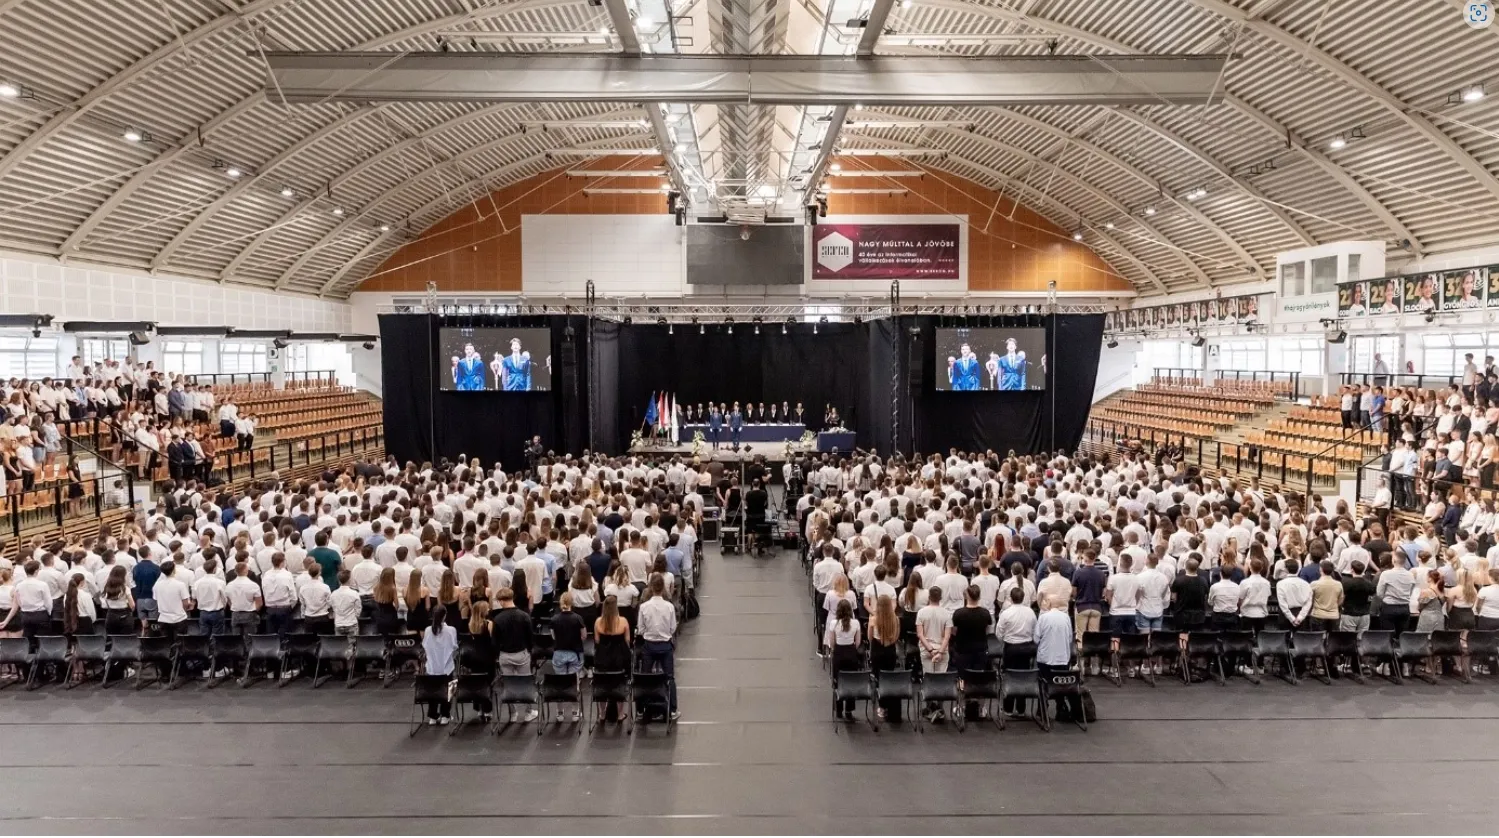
<point>756,752</point>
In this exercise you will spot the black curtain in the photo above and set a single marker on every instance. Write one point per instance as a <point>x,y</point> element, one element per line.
<point>827,366</point>
<point>1026,422</point>
<point>602,382</point>
<point>424,423</point>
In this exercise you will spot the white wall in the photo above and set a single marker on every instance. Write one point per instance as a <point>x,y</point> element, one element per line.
<point>80,291</point>
<point>1116,368</point>
<point>628,255</point>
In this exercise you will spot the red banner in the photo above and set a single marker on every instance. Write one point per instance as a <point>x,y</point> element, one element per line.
<point>886,251</point>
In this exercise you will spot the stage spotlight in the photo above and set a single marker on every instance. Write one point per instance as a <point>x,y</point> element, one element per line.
<point>369,345</point>
<point>629,320</point>
<point>1199,340</point>
<point>1113,342</point>
<point>1336,336</point>
<point>1430,317</point>
<point>671,329</point>
<point>783,328</point>
<point>660,321</point>
<point>702,330</point>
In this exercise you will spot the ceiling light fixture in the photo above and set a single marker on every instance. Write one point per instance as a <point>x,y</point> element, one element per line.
<point>133,136</point>
<point>287,192</point>
<point>837,167</point>
<point>858,106</point>
<point>1473,93</point>
<point>1109,224</point>
<point>338,210</point>
<point>1338,142</point>
<point>9,90</point>
<point>1150,210</point>
<point>666,187</point>
<point>233,172</point>
<point>385,228</point>
<point>604,30</point>
<point>1199,192</point>
<point>1077,235</point>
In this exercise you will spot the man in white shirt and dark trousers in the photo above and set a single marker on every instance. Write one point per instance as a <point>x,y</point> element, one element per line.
<point>657,623</point>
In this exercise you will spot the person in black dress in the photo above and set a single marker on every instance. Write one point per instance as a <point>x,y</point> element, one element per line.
<point>884,642</point>
<point>387,615</point>
<point>418,616</point>
<point>843,636</point>
<point>611,652</point>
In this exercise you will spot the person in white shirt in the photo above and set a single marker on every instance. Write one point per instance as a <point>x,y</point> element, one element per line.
<point>1294,595</point>
<point>315,601</point>
<point>365,573</point>
<point>210,593</point>
<point>656,622</point>
<point>1122,593</point>
<point>346,605</point>
<point>173,600</point>
<point>244,601</point>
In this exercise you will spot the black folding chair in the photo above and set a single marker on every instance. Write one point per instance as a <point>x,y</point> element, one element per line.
<point>228,654</point>
<point>473,656</point>
<point>1203,646</point>
<point>1133,648</point>
<point>471,689</point>
<point>1166,649</point>
<point>558,689</point>
<point>264,649</point>
<point>159,653</point>
<point>981,687</point>
<point>428,689</point>
<point>1342,653</point>
<point>1274,646</point>
<point>1235,649</point>
<point>88,649</point>
<point>1060,685</point>
<point>401,651</point>
<point>1019,687</point>
<point>1483,649</point>
<point>124,655</point>
<point>610,687</point>
<point>194,654</point>
<point>898,685</point>
<point>1448,645</point>
<point>51,652</point>
<point>1414,647</point>
<point>1097,647</point>
<point>369,649</point>
<point>1378,647</point>
<point>855,685</point>
<point>15,652</point>
<point>516,691</point>
<point>1310,647</point>
<point>332,649</point>
<point>940,689</point>
<point>649,690</point>
<point>301,655</point>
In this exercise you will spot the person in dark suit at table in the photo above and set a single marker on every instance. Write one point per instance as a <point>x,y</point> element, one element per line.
<point>786,413</point>
<point>760,411</point>
<point>800,414</point>
<point>715,425</point>
<point>736,425</point>
<point>772,418</point>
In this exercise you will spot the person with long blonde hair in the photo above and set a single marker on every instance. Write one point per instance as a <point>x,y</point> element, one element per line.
<point>884,639</point>
<point>387,616</point>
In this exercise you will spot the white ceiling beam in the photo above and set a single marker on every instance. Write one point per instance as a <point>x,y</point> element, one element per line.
<point>1397,228</point>
<point>88,101</point>
<point>1113,203</point>
<point>1220,170</point>
<point>399,192</point>
<point>1036,200</point>
<point>1417,121</point>
<point>874,27</point>
<point>629,43</point>
<point>246,180</point>
<point>305,77</point>
<point>1133,171</point>
<point>184,147</point>
<point>359,168</point>
<point>1092,38</point>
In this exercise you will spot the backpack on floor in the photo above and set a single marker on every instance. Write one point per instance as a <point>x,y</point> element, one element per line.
<point>690,608</point>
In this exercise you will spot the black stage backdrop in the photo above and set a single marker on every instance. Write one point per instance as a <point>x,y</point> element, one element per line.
<point>880,376</point>
<point>709,362</point>
<point>1026,422</point>
<point>422,423</point>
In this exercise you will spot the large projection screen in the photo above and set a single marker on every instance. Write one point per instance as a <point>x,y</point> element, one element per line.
<point>730,254</point>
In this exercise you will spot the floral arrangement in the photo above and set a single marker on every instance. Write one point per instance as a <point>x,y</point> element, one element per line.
<point>808,438</point>
<point>697,443</point>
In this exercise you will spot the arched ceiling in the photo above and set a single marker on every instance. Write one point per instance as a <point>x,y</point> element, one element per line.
<point>1175,198</point>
